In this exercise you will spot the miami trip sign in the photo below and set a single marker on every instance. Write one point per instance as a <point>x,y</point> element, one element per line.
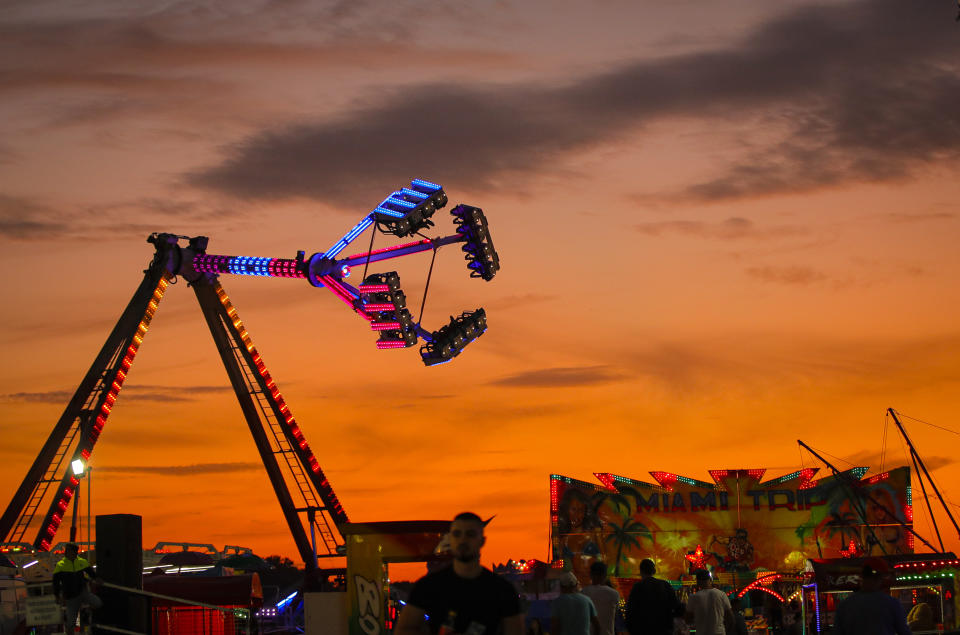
<point>737,522</point>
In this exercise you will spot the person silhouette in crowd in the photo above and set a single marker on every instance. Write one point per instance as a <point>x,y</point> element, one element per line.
<point>605,598</point>
<point>652,603</point>
<point>71,579</point>
<point>871,610</point>
<point>709,608</point>
<point>573,613</point>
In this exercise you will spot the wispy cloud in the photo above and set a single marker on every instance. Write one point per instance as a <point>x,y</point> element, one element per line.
<point>732,228</point>
<point>50,396</point>
<point>863,112</point>
<point>876,460</point>
<point>182,390</point>
<point>502,414</point>
<point>23,219</point>
<point>519,301</point>
<point>182,470</point>
<point>789,275</point>
<point>927,217</point>
<point>130,393</point>
<point>109,63</point>
<point>761,361</point>
<point>561,377</point>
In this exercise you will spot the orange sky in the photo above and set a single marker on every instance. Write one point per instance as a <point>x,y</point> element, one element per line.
<point>721,230</point>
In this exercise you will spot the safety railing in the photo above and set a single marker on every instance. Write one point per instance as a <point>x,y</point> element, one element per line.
<point>187,617</point>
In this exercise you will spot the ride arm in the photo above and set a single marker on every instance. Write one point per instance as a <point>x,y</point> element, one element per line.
<point>396,251</point>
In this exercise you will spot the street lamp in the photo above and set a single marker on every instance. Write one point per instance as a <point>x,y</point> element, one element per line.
<point>79,469</point>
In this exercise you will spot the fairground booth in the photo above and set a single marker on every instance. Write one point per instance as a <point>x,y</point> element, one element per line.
<point>765,541</point>
<point>923,582</point>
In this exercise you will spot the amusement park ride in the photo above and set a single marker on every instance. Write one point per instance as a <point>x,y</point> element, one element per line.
<point>305,495</point>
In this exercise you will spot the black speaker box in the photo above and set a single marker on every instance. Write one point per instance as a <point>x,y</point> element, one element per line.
<point>120,562</point>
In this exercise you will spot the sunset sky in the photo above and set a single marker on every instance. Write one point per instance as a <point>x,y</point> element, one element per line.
<point>723,227</point>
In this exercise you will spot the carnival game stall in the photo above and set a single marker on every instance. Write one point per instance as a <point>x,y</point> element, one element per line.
<point>754,532</point>
<point>924,584</point>
<point>739,522</point>
<point>928,586</point>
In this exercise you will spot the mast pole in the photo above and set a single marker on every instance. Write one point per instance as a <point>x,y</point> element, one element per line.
<point>889,512</point>
<point>926,500</point>
<point>913,453</point>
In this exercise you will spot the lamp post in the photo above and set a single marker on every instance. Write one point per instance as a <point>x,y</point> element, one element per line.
<point>79,470</point>
<point>77,467</point>
<point>89,516</point>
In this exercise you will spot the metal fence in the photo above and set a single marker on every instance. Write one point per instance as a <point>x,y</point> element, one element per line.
<point>199,620</point>
<point>187,617</point>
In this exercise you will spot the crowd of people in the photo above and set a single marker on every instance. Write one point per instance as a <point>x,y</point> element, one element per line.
<point>469,599</point>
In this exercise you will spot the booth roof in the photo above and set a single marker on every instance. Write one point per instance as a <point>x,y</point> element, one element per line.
<point>233,590</point>
<point>835,574</point>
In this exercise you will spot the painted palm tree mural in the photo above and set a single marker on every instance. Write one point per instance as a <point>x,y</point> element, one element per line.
<point>626,533</point>
<point>845,525</point>
<point>625,536</point>
<point>621,520</point>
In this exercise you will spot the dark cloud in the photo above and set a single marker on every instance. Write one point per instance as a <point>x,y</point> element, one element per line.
<point>171,61</point>
<point>561,377</point>
<point>732,228</point>
<point>790,275</point>
<point>132,52</point>
<point>182,470</point>
<point>861,91</point>
<point>877,461</point>
<point>23,219</point>
<point>455,134</point>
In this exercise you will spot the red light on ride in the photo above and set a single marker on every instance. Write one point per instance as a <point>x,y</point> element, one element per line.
<point>391,344</point>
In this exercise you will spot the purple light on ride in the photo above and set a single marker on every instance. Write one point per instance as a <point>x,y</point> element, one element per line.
<point>248,266</point>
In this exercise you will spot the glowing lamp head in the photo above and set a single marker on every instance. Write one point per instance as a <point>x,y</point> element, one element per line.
<point>77,467</point>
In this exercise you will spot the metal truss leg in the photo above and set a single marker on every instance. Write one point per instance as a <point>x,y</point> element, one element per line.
<point>82,419</point>
<point>274,431</point>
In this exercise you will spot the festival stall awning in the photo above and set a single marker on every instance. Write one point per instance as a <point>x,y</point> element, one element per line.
<point>843,574</point>
<point>235,590</point>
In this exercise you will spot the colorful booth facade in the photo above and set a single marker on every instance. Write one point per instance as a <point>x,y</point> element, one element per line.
<point>736,523</point>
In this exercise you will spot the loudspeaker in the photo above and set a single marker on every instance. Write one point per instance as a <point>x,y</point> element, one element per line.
<point>120,549</point>
<point>120,562</point>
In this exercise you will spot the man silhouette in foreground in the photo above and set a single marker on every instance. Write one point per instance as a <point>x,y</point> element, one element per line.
<point>463,598</point>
